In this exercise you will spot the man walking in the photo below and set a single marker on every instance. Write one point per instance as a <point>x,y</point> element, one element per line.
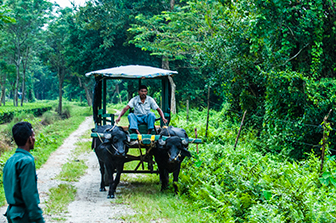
<point>142,114</point>
<point>19,178</point>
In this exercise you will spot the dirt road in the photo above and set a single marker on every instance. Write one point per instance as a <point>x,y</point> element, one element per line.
<point>90,205</point>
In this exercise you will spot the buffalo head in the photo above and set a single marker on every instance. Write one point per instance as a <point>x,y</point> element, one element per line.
<point>116,141</point>
<point>175,147</point>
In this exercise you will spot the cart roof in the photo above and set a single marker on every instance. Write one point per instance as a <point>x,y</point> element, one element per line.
<point>132,72</point>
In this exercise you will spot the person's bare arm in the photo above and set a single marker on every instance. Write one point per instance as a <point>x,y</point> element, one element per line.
<point>122,113</point>
<point>162,115</point>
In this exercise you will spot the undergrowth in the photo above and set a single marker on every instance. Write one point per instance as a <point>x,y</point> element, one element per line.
<point>248,185</point>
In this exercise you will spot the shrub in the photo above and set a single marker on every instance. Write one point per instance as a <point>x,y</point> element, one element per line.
<point>7,113</point>
<point>66,112</point>
<point>49,117</point>
<point>294,109</point>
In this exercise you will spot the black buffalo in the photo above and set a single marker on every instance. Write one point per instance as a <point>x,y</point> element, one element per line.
<point>170,153</point>
<point>111,152</point>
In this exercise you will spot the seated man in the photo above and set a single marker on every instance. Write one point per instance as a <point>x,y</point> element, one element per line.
<point>142,114</point>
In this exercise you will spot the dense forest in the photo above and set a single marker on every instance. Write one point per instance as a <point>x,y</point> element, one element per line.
<point>273,59</point>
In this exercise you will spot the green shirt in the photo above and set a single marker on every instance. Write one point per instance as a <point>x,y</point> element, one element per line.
<point>20,184</point>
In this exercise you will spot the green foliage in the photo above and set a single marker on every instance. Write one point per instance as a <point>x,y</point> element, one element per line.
<point>245,185</point>
<point>4,17</point>
<point>49,117</point>
<point>294,110</point>
<point>7,112</point>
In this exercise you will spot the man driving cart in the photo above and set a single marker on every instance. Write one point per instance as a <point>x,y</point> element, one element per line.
<point>142,113</point>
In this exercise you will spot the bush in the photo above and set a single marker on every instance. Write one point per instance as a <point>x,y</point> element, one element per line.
<point>294,110</point>
<point>7,113</point>
<point>49,117</point>
<point>66,112</point>
<point>245,185</point>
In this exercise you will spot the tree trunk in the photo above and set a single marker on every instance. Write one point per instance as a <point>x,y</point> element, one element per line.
<point>3,90</point>
<point>173,99</point>
<point>88,95</point>
<point>165,65</point>
<point>24,64</point>
<point>60,86</point>
<point>172,3</point>
<point>17,64</point>
<point>16,86</point>
<point>60,98</point>
<point>87,91</point>
<point>118,93</point>
<point>23,87</point>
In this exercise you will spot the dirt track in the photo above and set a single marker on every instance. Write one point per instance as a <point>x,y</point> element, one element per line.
<point>90,204</point>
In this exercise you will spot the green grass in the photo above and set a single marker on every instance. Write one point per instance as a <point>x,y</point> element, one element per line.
<point>59,198</point>
<point>145,197</point>
<point>83,146</point>
<point>72,170</point>
<point>75,167</point>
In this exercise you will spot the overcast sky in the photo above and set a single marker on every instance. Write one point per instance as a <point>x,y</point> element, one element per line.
<point>66,3</point>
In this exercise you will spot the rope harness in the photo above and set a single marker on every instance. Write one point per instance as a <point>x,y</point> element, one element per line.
<point>179,153</point>
<point>108,130</point>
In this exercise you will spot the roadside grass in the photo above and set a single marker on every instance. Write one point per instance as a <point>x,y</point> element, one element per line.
<point>75,167</point>
<point>152,205</point>
<point>48,138</point>
<point>71,171</point>
<point>59,198</point>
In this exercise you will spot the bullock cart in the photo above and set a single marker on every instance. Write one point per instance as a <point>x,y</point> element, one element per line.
<point>144,143</point>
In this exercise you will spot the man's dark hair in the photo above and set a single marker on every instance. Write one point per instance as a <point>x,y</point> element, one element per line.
<point>21,132</point>
<point>143,87</point>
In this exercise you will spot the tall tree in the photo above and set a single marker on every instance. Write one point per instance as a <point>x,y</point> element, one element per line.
<point>30,16</point>
<point>102,26</point>
<point>55,56</point>
<point>173,35</point>
<point>6,70</point>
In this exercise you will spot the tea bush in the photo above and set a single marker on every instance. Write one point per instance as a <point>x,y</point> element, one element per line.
<point>7,113</point>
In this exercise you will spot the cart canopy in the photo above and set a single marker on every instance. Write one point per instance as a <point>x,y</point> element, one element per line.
<point>132,72</point>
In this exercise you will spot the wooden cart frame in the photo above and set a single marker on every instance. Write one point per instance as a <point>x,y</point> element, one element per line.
<point>143,141</point>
